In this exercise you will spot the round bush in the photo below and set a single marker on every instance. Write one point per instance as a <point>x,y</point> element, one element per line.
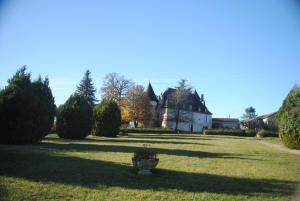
<point>289,119</point>
<point>27,109</point>
<point>107,119</point>
<point>74,118</point>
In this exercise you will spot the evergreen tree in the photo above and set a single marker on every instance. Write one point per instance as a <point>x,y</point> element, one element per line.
<point>27,109</point>
<point>250,113</point>
<point>107,119</point>
<point>74,118</point>
<point>288,119</point>
<point>86,88</point>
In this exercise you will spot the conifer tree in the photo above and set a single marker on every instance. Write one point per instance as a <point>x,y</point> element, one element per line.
<point>288,119</point>
<point>86,88</point>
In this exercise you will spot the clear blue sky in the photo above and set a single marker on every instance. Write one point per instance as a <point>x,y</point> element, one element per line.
<point>238,53</point>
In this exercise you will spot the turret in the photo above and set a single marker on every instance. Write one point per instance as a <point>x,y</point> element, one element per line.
<point>151,93</point>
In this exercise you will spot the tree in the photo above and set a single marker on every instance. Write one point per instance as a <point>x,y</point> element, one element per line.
<point>288,119</point>
<point>248,117</point>
<point>27,109</point>
<point>137,106</point>
<point>86,88</point>
<point>250,113</point>
<point>179,99</point>
<point>115,87</point>
<point>74,118</point>
<point>45,107</point>
<point>106,119</point>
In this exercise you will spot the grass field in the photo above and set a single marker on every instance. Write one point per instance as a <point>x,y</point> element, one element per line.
<point>191,167</point>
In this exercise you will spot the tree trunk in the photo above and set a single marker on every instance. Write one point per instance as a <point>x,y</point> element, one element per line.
<point>135,123</point>
<point>176,120</point>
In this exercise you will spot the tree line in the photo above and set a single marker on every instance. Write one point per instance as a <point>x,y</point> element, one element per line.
<point>28,110</point>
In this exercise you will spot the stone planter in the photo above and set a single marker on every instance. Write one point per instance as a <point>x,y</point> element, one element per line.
<point>145,165</point>
<point>259,136</point>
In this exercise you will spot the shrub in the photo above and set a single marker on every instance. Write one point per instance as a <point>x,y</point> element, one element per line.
<point>148,130</point>
<point>106,119</point>
<point>266,133</point>
<point>74,118</point>
<point>250,133</point>
<point>288,118</point>
<point>27,109</point>
<point>224,132</point>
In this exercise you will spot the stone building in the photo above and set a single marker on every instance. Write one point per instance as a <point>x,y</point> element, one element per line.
<point>225,123</point>
<point>193,117</point>
<point>266,121</point>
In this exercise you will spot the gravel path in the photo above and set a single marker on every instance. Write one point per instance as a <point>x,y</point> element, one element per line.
<point>281,147</point>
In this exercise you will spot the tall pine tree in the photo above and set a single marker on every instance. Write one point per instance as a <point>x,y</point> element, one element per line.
<point>87,89</point>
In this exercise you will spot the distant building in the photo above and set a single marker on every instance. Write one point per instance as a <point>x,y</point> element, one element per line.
<point>225,123</point>
<point>155,122</point>
<point>194,117</point>
<point>266,121</point>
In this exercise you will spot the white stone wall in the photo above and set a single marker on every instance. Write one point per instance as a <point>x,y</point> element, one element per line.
<point>153,113</point>
<point>187,118</point>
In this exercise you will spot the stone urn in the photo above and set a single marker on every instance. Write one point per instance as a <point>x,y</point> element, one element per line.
<point>145,166</point>
<point>145,160</point>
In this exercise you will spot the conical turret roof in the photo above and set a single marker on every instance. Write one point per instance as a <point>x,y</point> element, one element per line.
<point>151,93</point>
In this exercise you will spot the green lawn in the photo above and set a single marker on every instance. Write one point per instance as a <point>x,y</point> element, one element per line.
<point>274,140</point>
<point>191,167</point>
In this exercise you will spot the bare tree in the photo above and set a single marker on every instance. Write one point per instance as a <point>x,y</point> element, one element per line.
<point>179,99</point>
<point>136,106</point>
<point>115,87</point>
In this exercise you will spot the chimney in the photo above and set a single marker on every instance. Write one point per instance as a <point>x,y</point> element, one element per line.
<point>202,97</point>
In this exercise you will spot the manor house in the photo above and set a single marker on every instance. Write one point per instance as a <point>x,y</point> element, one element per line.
<point>193,116</point>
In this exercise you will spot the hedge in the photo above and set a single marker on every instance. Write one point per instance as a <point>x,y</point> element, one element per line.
<point>148,130</point>
<point>224,132</point>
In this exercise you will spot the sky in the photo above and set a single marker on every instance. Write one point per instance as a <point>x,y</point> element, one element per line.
<point>237,53</point>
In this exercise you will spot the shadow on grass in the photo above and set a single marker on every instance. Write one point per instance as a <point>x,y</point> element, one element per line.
<point>41,167</point>
<point>3,192</point>
<point>128,140</point>
<point>169,136</point>
<point>187,136</point>
<point>130,149</point>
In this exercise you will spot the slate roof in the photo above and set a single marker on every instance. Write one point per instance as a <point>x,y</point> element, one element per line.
<point>267,115</point>
<point>151,93</point>
<point>193,100</point>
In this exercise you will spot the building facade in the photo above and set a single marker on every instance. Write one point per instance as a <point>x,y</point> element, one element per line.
<point>225,123</point>
<point>266,121</point>
<point>192,117</point>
